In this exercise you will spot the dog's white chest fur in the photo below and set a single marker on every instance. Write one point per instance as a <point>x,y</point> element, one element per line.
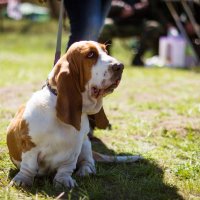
<point>55,141</point>
<point>50,132</point>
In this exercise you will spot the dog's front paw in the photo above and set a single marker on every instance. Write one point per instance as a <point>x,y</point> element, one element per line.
<point>86,169</point>
<point>66,181</point>
<point>21,180</point>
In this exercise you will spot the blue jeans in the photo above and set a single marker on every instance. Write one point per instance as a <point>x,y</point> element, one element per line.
<point>86,18</point>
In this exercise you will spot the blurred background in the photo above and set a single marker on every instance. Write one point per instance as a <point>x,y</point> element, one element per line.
<point>151,33</point>
<point>154,112</point>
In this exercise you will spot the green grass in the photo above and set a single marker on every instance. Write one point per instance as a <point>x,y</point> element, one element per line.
<point>154,112</point>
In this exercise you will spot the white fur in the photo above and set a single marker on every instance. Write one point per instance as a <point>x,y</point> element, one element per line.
<point>100,72</point>
<point>58,145</point>
<point>100,78</point>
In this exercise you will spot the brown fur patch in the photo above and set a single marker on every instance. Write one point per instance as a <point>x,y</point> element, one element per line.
<point>69,100</point>
<point>99,120</point>
<point>18,140</point>
<point>71,74</point>
<point>56,71</point>
<point>103,47</point>
<point>81,64</point>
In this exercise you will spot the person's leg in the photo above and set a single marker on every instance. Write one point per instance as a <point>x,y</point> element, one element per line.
<point>151,32</point>
<point>86,19</point>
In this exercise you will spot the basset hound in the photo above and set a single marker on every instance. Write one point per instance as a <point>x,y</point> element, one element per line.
<point>49,133</point>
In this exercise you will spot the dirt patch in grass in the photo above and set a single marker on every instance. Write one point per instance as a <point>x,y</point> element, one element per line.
<point>180,124</point>
<point>147,115</point>
<point>13,96</point>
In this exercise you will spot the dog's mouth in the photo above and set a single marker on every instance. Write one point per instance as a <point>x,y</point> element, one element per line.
<point>102,92</point>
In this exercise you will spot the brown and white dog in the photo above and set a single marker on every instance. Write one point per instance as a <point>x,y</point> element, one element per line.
<point>50,132</point>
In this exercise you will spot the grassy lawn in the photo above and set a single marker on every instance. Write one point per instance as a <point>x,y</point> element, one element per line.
<point>154,112</point>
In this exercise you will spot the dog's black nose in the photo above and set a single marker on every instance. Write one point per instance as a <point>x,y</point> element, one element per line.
<point>117,67</point>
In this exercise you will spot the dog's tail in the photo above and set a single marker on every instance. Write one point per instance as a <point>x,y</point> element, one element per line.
<point>117,159</point>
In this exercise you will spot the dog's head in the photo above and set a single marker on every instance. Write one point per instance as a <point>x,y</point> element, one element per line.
<point>82,77</point>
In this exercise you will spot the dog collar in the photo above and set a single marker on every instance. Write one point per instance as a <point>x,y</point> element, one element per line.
<point>54,91</point>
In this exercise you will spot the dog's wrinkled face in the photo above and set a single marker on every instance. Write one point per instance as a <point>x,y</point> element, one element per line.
<point>82,77</point>
<point>104,71</point>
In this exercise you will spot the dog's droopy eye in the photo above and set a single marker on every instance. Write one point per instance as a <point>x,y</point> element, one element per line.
<point>91,54</point>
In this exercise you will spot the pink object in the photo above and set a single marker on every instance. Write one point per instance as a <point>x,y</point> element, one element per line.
<point>172,51</point>
<point>13,10</point>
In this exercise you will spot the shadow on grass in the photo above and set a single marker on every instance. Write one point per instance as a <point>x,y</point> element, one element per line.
<point>142,180</point>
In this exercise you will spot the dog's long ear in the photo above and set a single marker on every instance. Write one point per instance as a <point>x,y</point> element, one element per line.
<point>69,100</point>
<point>99,120</point>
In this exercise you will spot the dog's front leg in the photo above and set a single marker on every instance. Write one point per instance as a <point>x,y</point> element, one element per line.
<point>28,169</point>
<point>63,175</point>
<point>86,164</point>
